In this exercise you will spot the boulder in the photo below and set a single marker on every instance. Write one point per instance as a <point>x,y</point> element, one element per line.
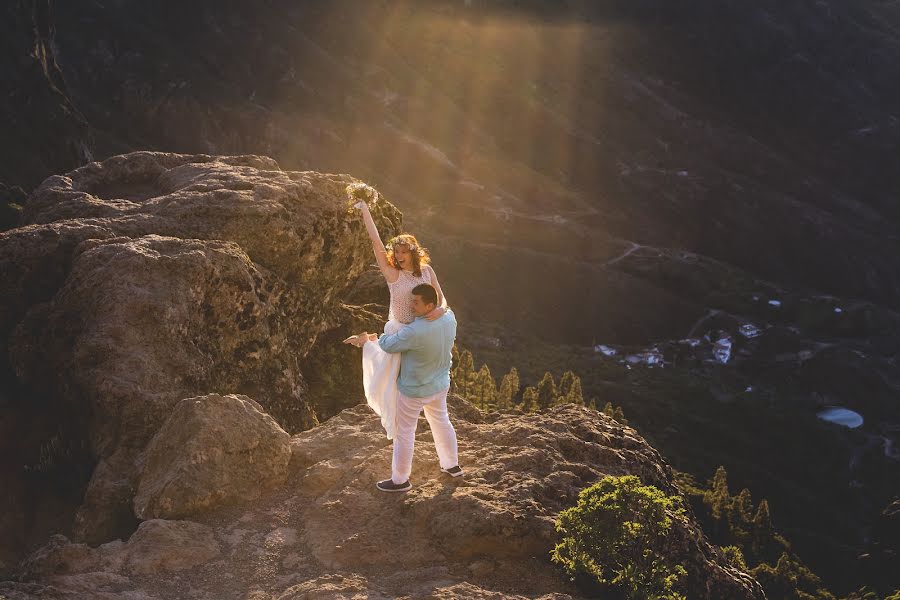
<point>151,277</point>
<point>211,450</point>
<point>159,546</point>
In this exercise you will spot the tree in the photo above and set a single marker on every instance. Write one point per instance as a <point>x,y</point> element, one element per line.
<point>762,533</point>
<point>575,395</point>
<point>608,410</point>
<point>719,495</point>
<point>546,390</point>
<point>739,517</point>
<point>565,385</point>
<point>734,557</point>
<point>569,391</point>
<point>484,391</point>
<point>464,374</point>
<point>718,498</point>
<point>509,388</point>
<point>613,541</point>
<point>790,578</point>
<point>619,415</point>
<point>530,399</point>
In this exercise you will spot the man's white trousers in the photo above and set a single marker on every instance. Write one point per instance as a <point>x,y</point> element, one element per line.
<point>408,410</point>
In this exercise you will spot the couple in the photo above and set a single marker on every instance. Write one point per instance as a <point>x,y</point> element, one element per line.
<point>417,344</point>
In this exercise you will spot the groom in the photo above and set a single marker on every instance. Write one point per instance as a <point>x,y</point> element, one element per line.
<point>425,349</point>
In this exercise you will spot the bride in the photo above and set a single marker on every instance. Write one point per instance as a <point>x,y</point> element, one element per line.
<point>404,264</point>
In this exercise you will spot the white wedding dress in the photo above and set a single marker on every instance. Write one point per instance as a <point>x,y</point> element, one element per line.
<point>380,368</point>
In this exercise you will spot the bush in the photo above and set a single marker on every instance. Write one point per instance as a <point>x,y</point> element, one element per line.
<point>611,540</point>
<point>734,557</point>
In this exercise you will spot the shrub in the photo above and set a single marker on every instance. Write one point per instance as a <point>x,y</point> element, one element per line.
<point>734,557</point>
<point>611,540</point>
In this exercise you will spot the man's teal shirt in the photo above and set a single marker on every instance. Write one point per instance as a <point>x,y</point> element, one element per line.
<point>427,349</point>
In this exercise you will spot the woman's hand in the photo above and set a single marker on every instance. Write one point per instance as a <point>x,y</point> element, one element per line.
<point>359,340</point>
<point>437,313</point>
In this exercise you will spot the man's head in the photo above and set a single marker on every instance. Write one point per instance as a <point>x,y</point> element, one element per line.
<point>424,299</point>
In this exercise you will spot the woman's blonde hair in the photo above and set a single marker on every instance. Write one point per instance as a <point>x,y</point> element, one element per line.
<point>419,254</point>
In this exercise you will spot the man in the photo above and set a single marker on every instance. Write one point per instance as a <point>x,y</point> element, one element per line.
<point>425,353</point>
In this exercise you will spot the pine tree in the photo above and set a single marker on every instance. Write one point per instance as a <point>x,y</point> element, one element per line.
<point>509,388</point>
<point>718,499</point>
<point>742,507</point>
<point>546,391</point>
<point>739,516</point>
<point>619,415</point>
<point>484,391</point>
<point>575,395</point>
<point>464,374</point>
<point>762,534</point>
<point>566,382</point>
<point>530,399</point>
<point>608,410</point>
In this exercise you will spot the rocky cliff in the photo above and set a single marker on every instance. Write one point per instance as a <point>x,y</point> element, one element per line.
<point>156,310</point>
<point>624,173</point>
<point>148,278</point>
<point>326,532</point>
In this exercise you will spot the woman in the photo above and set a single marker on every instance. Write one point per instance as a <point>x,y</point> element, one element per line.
<point>404,264</point>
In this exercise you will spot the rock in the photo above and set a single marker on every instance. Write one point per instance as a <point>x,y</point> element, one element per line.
<point>159,546</point>
<point>59,556</point>
<point>152,277</point>
<point>331,587</point>
<point>324,533</point>
<point>520,472</point>
<point>211,450</point>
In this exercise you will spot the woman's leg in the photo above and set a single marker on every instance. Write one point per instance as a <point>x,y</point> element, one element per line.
<point>442,430</point>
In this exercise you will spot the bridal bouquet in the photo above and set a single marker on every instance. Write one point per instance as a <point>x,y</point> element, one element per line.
<point>360,192</point>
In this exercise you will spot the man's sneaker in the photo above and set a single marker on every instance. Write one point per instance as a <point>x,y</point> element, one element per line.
<point>388,485</point>
<point>452,471</point>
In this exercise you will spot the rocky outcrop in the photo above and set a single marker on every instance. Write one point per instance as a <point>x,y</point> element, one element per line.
<point>211,450</point>
<point>327,532</point>
<point>149,278</point>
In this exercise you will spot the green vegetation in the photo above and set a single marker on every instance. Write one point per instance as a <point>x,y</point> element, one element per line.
<point>480,388</point>
<point>701,415</point>
<point>611,540</point>
<point>748,539</point>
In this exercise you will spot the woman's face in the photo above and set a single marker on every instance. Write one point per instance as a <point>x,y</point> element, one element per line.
<point>403,256</point>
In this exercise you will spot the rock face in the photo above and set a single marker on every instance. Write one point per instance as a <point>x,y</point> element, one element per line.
<point>328,530</point>
<point>152,277</point>
<point>211,449</point>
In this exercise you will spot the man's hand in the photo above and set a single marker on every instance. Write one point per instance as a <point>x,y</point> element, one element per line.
<point>437,313</point>
<point>360,339</point>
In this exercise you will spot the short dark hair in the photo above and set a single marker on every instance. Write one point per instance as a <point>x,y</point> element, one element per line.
<point>426,292</point>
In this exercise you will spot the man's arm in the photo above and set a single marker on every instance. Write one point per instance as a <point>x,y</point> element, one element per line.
<point>398,342</point>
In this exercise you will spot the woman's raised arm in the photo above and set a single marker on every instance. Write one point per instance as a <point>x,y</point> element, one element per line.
<point>390,273</point>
